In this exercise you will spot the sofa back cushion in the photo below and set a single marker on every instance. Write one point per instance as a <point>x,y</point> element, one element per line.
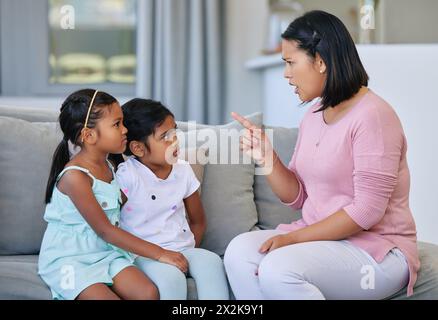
<point>25,159</point>
<point>30,114</point>
<point>227,189</point>
<point>27,149</point>
<point>271,212</point>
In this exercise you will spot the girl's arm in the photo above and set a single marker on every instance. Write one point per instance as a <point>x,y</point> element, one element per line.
<point>77,186</point>
<point>196,215</point>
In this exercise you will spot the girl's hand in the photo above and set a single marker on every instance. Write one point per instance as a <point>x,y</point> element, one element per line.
<point>275,243</point>
<point>254,142</point>
<point>175,258</point>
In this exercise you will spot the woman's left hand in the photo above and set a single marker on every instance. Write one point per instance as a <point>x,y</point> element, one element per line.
<point>276,242</point>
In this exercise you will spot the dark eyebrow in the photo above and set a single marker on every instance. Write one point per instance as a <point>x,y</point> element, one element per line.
<point>164,133</point>
<point>117,119</point>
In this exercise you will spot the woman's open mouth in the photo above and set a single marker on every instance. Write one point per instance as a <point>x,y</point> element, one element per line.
<point>296,88</point>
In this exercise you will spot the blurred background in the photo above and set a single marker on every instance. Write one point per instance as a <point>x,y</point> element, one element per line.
<point>206,58</point>
<point>198,56</point>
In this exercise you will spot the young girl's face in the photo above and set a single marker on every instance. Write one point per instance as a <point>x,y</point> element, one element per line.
<point>111,131</point>
<point>163,144</point>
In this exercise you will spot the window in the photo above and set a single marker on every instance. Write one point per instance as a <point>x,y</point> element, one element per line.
<point>92,41</point>
<point>52,47</point>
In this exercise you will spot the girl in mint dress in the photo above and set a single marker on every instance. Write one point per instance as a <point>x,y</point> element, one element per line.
<point>84,254</point>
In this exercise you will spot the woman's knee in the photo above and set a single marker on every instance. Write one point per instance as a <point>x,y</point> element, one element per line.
<point>268,271</point>
<point>273,271</point>
<point>237,248</point>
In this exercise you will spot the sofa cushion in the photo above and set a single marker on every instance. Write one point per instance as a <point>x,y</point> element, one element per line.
<point>30,114</point>
<point>426,287</point>
<point>227,189</point>
<point>271,212</point>
<point>25,160</point>
<point>19,279</point>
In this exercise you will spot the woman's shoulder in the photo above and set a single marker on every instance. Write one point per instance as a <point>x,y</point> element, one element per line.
<point>373,108</point>
<point>376,118</point>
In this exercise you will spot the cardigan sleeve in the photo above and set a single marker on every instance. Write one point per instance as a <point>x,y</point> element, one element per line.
<point>377,146</point>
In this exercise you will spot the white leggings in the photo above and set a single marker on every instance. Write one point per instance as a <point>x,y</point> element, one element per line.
<point>310,270</point>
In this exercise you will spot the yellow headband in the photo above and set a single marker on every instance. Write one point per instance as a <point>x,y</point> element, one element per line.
<point>89,108</point>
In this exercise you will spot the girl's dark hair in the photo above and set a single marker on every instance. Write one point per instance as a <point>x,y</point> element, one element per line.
<point>323,33</point>
<point>141,117</point>
<point>72,120</point>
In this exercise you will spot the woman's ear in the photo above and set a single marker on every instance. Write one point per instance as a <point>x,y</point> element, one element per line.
<point>320,64</point>
<point>137,148</point>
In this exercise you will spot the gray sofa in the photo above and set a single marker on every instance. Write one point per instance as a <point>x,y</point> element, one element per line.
<point>235,200</point>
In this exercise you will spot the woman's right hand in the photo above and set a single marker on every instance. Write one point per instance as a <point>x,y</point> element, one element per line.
<point>175,258</point>
<point>255,143</point>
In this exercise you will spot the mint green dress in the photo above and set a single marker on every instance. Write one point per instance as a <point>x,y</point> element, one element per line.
<point>72,256</point>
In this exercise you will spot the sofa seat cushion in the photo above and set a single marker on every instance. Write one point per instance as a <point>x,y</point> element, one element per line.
<point>426,287</point>
<point>19,279</point>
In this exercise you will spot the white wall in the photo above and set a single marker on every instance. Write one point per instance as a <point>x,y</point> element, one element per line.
<point>407,77</point>
<point>407,21</point>
<point>245,38</point>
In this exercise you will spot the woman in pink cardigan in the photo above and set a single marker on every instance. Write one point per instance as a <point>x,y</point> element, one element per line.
<point>348,174</point>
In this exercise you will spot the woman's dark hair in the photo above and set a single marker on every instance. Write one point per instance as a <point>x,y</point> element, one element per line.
<point>141,117</point>
<point>72,120</point>
<point>323,33</point>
